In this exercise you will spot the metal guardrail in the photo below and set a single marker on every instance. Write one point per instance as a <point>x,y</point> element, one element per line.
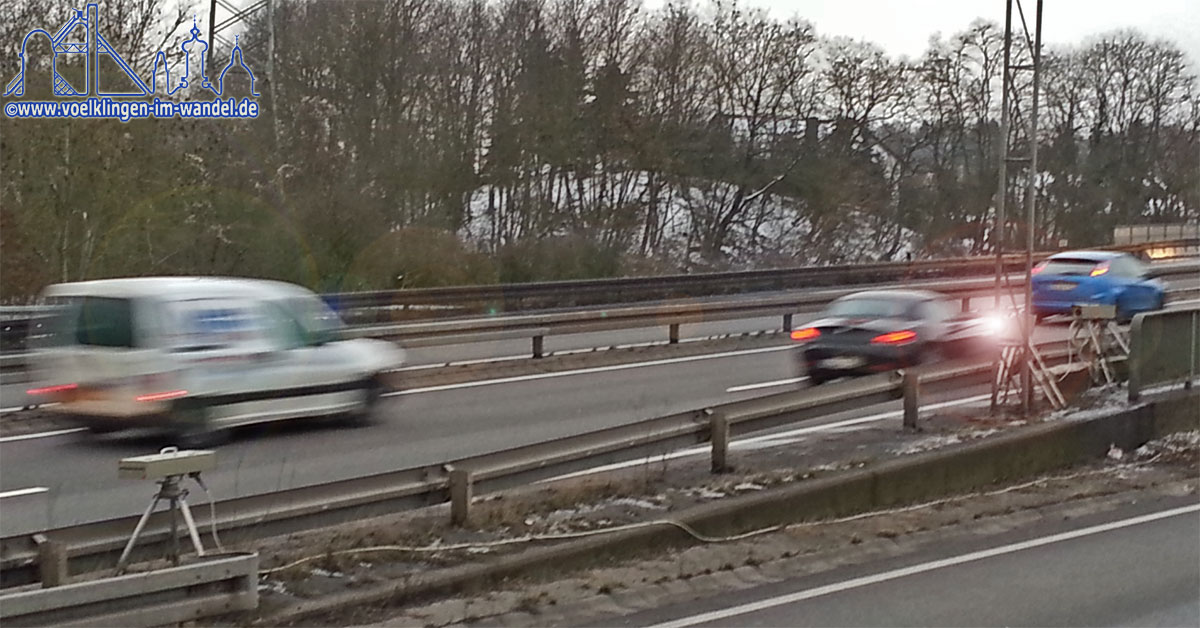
<point>212,586</point>
<point>520,296</point>
<point>1164,347</point>
<point>592,291</point>
<point>95,545</point>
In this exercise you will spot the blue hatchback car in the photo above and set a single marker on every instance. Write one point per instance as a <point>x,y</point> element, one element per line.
<point>1095,277</point>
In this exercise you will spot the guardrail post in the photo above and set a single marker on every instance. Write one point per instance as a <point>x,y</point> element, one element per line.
<point>719,432</point>
<point>966,304</point>
<point>460,496</point>
<point>538,346</point>
<point>674,333</point>
<point>52,562</point>
<point>911,385</point>
<point>787,323</point>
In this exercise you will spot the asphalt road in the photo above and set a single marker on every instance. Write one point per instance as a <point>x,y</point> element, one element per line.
<point>419,427</point>
<point>1138,566</point>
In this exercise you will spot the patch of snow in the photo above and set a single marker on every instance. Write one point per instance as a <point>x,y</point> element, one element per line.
<point>637,503</point>
<point>1170,445</point>
<point>274,586</point>
<point>325,573</point>
<point>705,493</point>
<point>748,486</point>
<point>928,444</point>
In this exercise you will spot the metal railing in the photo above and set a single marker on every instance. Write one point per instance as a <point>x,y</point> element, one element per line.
<point>552,294</point>
<point>626,289</point>
<point>1164,348</point>
<point>212,586</point>
<point>95,545</point>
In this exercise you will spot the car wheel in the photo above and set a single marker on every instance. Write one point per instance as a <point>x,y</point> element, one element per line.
<point>816,378</point>
<point>1123,314</point>
<point>194,429</point>
<point>102,428</point>
<point>366,414</point>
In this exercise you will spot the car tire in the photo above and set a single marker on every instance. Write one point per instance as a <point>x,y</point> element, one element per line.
<point>816,378</point>
<point>1123,315</point>
<point>102,428</point>
<point>194,429</point>
<point>367,414</point>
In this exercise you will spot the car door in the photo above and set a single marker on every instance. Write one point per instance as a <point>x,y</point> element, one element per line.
<point>1136,293</point>
<point>219,343</point>
<point>309,371</point>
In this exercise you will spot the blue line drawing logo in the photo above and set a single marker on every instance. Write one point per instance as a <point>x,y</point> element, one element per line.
<point>94,45</point>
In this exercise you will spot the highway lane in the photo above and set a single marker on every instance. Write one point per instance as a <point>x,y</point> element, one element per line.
<point>1137,566</point>
<point>418,429</point>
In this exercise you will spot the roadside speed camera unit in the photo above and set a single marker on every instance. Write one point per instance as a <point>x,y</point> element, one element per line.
<point>168,467</point>
<point>1091,312</point>
<point>166,464</point>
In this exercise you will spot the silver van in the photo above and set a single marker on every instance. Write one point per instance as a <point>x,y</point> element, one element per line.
<point>200,355</point>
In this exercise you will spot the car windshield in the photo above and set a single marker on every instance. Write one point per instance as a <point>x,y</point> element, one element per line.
<point>868,308</point>
<point>1068,266</point>
<point>320,323</point>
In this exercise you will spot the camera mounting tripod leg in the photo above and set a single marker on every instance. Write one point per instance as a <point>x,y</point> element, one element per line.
<point>176,498</point>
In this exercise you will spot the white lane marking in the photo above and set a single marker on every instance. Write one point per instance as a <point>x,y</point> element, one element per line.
<point>894,574</point>
<point>9,439</point>
<point>588,371</point>
<point>19,408</point>
<point>21,492</point>
<point>695,451</point>
<point>781,382</point>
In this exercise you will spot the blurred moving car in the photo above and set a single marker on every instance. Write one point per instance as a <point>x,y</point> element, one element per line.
<point>1095,277</point>
<point>198,355</point>
<point>869,332</point>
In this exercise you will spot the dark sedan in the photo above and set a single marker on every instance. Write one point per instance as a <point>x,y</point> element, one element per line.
<point>870,332</point>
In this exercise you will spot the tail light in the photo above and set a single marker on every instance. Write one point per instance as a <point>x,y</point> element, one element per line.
<point>162,396</point>
<point>895,338</point>
<point>806,334</point>
<point>1100,270</point>
<point>1039,268</point>
<point>49,390</point>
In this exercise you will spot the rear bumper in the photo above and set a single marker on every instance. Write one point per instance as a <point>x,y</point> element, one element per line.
<point>857,360</point>
<point>1051,306</point>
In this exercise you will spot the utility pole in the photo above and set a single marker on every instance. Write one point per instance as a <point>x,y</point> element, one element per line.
<point>1019,360</point>
<point>1031,205</point>
<point>212,25</point>
<point>1001,226</point>
<point>236,16</point>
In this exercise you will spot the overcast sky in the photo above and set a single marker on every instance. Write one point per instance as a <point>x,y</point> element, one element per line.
<point>903,27</point>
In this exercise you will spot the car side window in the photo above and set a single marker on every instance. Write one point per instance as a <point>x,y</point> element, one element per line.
<point>1137,269</point>
<point>1125,267</point>
<point>285,328</point>
<point>931,311</point>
